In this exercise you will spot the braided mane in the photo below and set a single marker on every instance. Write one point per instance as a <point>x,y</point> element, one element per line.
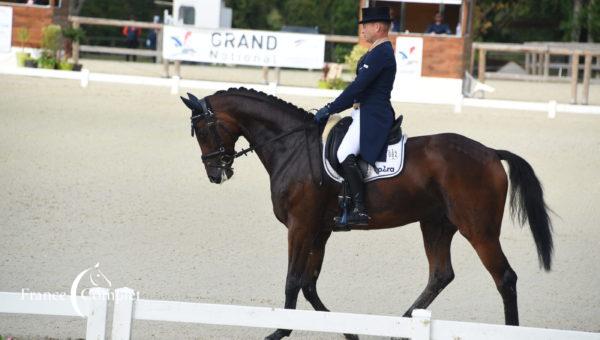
<point>251,93</point>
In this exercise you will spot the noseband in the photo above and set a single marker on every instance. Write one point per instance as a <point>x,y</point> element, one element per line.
<point>201,110</point>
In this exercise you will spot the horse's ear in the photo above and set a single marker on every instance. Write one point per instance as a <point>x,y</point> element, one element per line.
<point>188,103</point>
<point>192,97</point>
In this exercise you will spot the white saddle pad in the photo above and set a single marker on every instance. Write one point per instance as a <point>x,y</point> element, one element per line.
<point>390,168</point>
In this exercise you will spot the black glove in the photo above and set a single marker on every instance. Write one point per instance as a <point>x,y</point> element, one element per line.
<point>322,114</point>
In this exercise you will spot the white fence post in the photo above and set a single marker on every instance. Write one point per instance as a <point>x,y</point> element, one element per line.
<point>421,324</point>
<point>96,315</point>
<point>552,109</point>
<point>85,77</point>
<point>122,314</point>
<point>458,104</point>
<point>175,84</point>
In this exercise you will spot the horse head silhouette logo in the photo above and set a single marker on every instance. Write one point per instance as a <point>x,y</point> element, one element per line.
<point>96,279</point>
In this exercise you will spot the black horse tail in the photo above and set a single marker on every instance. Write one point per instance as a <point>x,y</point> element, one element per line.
<point>527,203</point>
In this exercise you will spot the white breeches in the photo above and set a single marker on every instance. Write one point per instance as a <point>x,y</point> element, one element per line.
<point>351,143</point>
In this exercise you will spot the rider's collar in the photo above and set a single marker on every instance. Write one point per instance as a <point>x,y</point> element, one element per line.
<point>378,42</point>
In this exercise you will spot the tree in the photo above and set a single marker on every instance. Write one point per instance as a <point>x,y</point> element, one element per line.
<point>594,21</point>
<point>251,13</point>
<point>524,20</point>
<point>331,16</point>
<point>576,19</point>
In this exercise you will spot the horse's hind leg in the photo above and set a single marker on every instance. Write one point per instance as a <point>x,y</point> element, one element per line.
<point>437,237</point>
<point>494,260</point>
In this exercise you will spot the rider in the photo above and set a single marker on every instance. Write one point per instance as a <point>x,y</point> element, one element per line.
<point>373,116</point>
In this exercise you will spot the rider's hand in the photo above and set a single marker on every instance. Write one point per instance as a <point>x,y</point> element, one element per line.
<point>322,114</point>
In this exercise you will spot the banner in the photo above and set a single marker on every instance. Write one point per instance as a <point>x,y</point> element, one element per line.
<point>6,15</point>
<point>409,57</point>
<point>244,47</point>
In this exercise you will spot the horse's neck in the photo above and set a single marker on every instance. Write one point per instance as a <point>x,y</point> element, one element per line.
<point>260,122</point>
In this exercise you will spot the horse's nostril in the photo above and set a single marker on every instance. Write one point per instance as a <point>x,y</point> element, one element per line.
<point>215,179</point>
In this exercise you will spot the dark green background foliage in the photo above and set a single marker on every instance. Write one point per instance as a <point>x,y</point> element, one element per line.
<point>330,16</point>
<point>537,20</point>
<point>494,20</point>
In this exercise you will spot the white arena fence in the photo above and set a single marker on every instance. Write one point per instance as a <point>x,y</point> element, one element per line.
<point>175,83</point>
<point>126,309</point>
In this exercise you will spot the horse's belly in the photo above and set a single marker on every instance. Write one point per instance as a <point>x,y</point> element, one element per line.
<point>399,201</point>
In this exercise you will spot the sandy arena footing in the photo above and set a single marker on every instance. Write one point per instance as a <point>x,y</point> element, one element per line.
<point>109,174</point>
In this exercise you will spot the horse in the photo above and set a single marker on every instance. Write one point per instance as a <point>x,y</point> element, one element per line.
<point>449,183</point>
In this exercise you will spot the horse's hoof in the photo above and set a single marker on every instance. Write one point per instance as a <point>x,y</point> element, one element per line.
<point>351,336</point>
<point>278,334</point>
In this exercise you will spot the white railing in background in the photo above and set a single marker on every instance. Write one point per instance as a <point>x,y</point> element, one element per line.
<point>175,84</point>
<point>127,309</point>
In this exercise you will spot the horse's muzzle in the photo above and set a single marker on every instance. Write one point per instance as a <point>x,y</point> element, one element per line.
<point>224,175</point>
<point>215,179</point>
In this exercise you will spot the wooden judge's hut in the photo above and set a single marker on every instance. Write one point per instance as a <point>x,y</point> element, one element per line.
<point>431,67</point>
<point>34,16</point>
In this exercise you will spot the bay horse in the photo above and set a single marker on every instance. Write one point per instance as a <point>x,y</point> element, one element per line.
<point>449,183</point>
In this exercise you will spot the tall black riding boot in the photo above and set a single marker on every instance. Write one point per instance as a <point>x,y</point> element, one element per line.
<point>352,174</point>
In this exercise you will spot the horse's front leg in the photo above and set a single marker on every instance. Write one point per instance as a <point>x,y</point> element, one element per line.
<point>311,274</point>
<point>306,245</point>
<point>300,239</point>
<point>306,250</point>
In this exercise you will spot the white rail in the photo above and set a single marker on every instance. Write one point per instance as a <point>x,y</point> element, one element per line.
<point>175,83</point>
<point>127,309</point>
<point>453,330</point>
<point>93,307</point>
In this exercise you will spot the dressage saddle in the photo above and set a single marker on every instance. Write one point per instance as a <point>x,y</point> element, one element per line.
<point>337,133</point>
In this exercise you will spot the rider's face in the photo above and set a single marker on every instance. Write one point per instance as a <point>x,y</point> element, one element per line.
<point>369,30</point>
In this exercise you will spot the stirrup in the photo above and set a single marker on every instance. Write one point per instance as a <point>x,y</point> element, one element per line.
<point>362,219</point>
<point>344,222</point>
<point>340,225</point>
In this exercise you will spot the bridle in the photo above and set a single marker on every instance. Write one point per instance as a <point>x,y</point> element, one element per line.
<point>201,110</point>
<point>224,159</point>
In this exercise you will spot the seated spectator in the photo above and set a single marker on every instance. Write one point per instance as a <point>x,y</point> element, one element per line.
<point>438,27</point>
<point>395,14</point>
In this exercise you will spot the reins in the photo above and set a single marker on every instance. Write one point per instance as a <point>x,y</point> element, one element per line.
<point>285,134</point>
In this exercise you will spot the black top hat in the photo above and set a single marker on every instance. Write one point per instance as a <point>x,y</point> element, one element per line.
<point>372,14</point>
